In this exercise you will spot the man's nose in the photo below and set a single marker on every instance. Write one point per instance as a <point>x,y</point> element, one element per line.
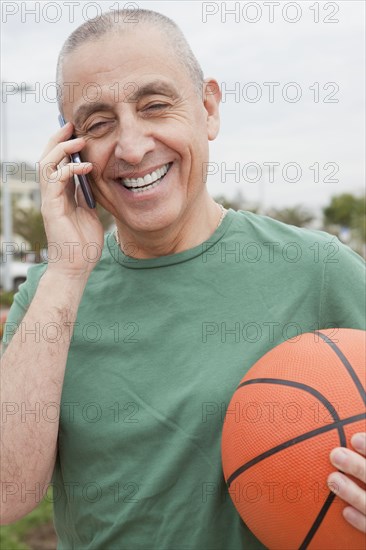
<point>134,141</point>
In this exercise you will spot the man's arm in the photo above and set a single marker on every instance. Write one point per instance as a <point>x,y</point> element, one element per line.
<point>33,369</point>
<point>32,377</point>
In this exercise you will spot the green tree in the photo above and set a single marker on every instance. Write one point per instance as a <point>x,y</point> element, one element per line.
<point>28,224</point>
<point>346,210</point>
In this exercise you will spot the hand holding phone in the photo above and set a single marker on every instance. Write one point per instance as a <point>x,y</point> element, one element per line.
<point>83,180</point>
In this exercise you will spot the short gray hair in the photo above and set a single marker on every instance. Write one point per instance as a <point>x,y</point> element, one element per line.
<point>120,20</point>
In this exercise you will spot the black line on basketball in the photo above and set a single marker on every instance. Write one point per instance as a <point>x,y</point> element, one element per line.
<point>300,386</point>
<point>346,363</point>
<point>294,441</point>
<point>313,529</point>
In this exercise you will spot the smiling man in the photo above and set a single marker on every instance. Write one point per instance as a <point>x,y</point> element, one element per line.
<point>139,338</point>
<point>146,130</point>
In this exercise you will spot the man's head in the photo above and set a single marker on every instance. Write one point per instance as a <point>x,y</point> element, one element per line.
<point>139,99</point>
<point>121,22</point>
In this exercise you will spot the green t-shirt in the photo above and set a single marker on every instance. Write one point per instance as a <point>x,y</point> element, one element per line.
<point>157,351</point>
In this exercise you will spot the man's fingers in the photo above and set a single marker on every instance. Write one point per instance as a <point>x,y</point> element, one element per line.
<point>62,150</point>
<point>64,173</point>
<point>355,518</point>
<point>348,490</point>
<point>358,442</point>
<point>63,163</point>
<point>61,182</point>
<point>349,462</point>
<point>63,134</point>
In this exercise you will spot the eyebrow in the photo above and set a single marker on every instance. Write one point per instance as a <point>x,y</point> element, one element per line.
<point>157,87</point>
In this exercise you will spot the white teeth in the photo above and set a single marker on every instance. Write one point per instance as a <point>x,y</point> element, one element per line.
<point>132,183</point>
<point>138,190</point>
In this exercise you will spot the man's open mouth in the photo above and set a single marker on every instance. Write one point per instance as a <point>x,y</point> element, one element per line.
<point>149,181</point>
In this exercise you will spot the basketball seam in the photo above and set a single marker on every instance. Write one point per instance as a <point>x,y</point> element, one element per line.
<point>298,385</point>
<point>293,441</point>
<point>319,518</point>
<point>345,362</point>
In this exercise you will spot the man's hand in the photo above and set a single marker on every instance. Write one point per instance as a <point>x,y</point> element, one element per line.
<point>72,227</point>
<point>351,462</point>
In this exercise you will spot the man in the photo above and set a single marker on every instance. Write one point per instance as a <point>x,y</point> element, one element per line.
<point>129,328</point>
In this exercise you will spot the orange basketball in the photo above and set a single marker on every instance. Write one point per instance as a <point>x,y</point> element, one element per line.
<point>299,401</point>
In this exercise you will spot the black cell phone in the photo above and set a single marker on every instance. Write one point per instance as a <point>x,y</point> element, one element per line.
<point>83,180</point>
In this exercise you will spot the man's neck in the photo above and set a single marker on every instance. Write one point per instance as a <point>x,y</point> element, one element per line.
<point>194,227</point>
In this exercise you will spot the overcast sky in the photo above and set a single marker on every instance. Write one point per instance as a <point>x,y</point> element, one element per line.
<point>295,70</point>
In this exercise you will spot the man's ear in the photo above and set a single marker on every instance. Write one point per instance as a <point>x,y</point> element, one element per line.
<point>211,101</point>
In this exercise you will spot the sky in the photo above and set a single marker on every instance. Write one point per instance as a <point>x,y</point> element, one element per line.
<point>291,74</point>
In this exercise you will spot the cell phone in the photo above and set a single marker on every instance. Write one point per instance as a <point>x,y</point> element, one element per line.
<point>83,180</point>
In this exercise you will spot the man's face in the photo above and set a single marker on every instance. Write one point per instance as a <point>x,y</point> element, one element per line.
<point>146,127</point>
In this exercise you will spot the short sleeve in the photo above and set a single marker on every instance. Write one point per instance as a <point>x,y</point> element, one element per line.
<point>343,301</point>
<point>21,302</point>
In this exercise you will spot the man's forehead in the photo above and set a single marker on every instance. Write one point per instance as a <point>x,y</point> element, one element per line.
<point>135,45</point>
<point>106,62</point>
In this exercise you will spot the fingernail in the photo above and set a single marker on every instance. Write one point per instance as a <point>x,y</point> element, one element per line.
<point>334,483</point>
<point>338,456</point>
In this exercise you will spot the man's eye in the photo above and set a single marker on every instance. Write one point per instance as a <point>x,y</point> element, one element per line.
<point>99,127</point>
<point>96,126</point>
<point>155,106</point>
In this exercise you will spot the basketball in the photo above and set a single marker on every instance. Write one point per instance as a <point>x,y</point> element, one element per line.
<point>303,398</point>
